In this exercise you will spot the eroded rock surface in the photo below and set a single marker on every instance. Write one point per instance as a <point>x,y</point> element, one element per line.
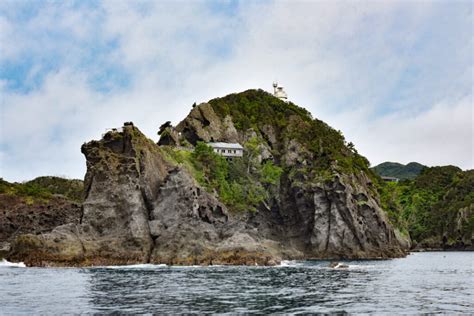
<point>124,173</point>
<point>141,207</point>
<point>19,216</point>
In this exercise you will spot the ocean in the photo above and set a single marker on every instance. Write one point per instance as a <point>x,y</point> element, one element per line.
<point>425,282</point>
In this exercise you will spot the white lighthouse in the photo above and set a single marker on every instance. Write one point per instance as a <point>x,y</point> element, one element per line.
<point>279,92</point>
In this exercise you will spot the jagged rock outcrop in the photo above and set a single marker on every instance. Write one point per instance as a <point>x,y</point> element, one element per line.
<point>203,124</point>
<point>190,226</point>
<point>124,173</point>
<point>143,206</point>
<point>169,137</point>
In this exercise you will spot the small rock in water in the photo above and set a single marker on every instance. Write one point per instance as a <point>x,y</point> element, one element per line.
<point>338,265</point>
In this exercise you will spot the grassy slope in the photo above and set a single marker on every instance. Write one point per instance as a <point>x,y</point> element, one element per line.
<point>44,188</point>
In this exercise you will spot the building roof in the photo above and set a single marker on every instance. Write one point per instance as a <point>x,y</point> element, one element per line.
<point>226,145</point>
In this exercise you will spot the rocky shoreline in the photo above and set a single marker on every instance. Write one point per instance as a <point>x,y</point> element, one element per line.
<point>143,206</point>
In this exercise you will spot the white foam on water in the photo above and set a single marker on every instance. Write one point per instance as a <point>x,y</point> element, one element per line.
<point>363,266</point>
<point>136,266</point>
<point>5,263</point>
<point>346,266</point>
<point>194,266</point>
<point>289,263</point>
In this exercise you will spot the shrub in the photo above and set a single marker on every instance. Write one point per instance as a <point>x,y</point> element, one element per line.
<point>238,181</point>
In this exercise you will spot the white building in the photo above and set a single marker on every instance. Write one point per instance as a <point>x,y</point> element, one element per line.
<point>390,179</point>
<point>228,149</point>
<point>279,92</point>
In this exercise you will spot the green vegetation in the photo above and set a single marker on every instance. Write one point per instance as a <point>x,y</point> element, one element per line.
<point>183,158</point>
<point>390,196</point>
<point>397,170</point>
<point>241,183</point>
<point>72,189</point>
<point>437,204</point>
<point>29,191</point>
<point>426,204</point>
<point>43,188</point>
<point>253,109</point>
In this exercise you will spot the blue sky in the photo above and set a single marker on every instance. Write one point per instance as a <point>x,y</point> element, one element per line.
<point>395,77</point>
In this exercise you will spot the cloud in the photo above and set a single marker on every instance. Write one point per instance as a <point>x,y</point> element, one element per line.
<point>395,77</point>
<point>441,135</point>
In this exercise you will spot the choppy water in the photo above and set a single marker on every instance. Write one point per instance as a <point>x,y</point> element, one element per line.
<point>421,283</point>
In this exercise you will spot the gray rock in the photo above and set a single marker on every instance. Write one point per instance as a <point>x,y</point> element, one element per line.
<point>5,248</point>
<point>140,207</point>
<point>169,137</point>
<point>203,124</point>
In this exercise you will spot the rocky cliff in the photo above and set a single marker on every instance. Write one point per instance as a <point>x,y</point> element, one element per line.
<point>299,192</point>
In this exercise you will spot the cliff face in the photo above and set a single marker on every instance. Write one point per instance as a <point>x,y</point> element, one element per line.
<point>143,204</point>
<point>141,208</point>
<point>325,205</point>
<point>124,172</point>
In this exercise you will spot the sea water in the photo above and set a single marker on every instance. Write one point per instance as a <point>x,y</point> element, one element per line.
<point>430,282</point>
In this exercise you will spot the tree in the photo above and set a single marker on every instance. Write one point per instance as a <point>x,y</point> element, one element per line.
<point>252,150</point>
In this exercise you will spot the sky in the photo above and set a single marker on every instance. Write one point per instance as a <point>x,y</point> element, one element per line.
<point>396,77</point>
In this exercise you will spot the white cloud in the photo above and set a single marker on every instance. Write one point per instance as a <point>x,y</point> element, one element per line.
<point>441,135</point>
<point>367,68</point>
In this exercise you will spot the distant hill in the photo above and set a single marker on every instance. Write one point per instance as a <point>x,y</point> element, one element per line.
<point>398,170</point>
<point>71,189</point>
<point>437,207</point>
<point>44,188</point>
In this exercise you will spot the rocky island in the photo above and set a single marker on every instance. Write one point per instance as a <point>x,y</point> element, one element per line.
<point>299,191</point>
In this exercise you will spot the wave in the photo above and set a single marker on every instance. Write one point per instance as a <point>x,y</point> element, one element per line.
<point>5,263</point>
<point>290,263</point>
<point>155,266</point>
<point>134,266</point>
